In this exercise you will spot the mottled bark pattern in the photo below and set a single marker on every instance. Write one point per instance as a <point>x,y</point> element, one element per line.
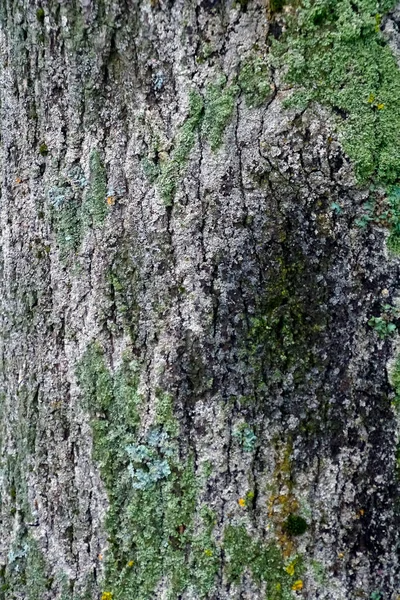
<point>159,201</point>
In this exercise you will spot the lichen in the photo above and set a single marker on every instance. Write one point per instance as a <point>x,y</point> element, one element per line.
<point>25,573</point>
<point>172,169</point>
<point>209,117</point>
<point>255,80</point>
<point>152,492</point>
<point>219,103</point>
<point>95,208</point>
<point>335,54</point>
<point>77,205</point>
<point>263,560</point>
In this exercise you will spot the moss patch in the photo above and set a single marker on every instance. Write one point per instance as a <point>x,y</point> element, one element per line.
<point>295,525</point>
<point>289,322</point>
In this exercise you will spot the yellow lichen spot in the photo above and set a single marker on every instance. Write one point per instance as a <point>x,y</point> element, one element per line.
<point>242,502</point>
<point>100,557</point>
<point>362,512</point>
<point>107,596</point>
<point>380,106</point>
<point>290,569</point>
<point>340,555</point>
<point>18,180</point>
<point>208,552</point>
<point>371,98</point>
<point>298,585</point>
<point>131,563</point>
<point>111,200</point>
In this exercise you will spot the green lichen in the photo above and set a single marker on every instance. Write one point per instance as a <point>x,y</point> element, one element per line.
<point>95,208</point>
<point>263,560</point>
<point>152,492</point>
<point>207,117</point>
<point>68,227</point>
<point>24,575</point>
<point>77,205</point>
<point>122,279</point>
<point>245,437</point>
<point>394,378</point>
<point>393,202</point>
<point>219,103</point>
<point>335,54</point>
<point>255,81</point>
<point>151,169</point>
<point>172,170</point>
<point>25,572</point>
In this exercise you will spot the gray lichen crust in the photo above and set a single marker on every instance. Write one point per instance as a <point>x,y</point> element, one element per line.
<point>199,221</point>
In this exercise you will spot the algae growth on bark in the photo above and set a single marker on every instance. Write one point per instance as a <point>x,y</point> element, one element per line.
<point>200,364</point>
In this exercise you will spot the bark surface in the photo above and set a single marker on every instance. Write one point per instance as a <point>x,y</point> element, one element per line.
<point>194,400</point>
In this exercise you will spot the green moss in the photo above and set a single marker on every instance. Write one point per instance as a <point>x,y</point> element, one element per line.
<point>152,492</point>
<point>219,103</point>
<point>40,14</point>
<point>255,81</point>
<point>173,168</point>
<point>276,5</point>
<point>43,149</point>
<point>336,55</point>
<point>295,525</point>
<point>290,318</point>
<point>263,560</point>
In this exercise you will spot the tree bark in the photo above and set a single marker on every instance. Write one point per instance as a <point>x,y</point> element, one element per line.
<point>193,402</point>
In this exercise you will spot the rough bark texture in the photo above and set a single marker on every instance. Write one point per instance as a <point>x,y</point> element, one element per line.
<point>193,402</point>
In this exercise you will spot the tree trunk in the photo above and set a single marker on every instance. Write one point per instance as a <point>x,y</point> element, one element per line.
<point>198,305</point>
